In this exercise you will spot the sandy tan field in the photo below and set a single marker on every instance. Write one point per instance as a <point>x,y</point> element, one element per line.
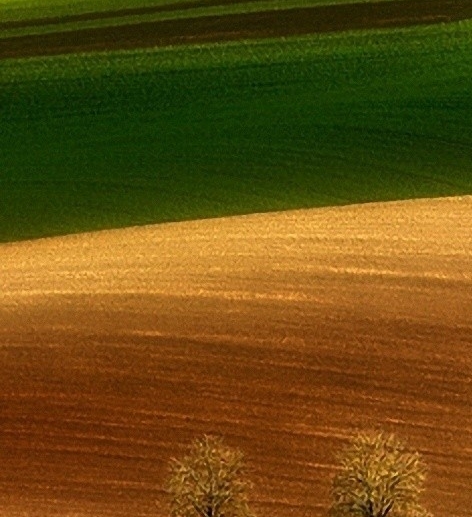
<point>283,332</point>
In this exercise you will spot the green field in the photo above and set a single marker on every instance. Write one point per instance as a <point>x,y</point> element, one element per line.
<point>111,140</point>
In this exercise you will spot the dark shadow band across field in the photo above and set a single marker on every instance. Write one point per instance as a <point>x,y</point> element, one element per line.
<point>265,24</point>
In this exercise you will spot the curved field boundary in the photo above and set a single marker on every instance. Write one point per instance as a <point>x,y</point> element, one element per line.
<point>290,22</point>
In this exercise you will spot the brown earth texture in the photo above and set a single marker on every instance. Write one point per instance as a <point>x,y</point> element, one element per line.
<point>282,332</point>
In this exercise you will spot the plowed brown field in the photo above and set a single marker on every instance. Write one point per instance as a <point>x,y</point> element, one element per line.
<point>263,24</point>
<point>283,332</point>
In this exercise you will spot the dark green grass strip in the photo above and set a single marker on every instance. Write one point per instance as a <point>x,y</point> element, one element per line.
<point>234,129</point>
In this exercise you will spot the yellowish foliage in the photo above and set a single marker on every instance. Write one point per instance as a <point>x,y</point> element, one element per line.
<point>209,482</point>
<point>378,477</point>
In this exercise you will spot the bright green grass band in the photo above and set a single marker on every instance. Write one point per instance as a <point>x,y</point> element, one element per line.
<point>111,140</point>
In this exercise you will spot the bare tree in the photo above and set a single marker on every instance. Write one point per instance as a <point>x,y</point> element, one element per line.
<point>378,477</point>
<point>209,482</point>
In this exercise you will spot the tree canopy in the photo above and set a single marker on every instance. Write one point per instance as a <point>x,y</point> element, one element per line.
<point>378,477</point>
<point>209,481</point>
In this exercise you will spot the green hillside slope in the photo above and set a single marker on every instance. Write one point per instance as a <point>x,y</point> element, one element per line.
<point>110,140</point>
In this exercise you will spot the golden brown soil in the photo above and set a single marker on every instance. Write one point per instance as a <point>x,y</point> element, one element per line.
<point>283,332</point>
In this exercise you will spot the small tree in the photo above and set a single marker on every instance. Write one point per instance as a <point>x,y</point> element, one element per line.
<point>209,482</point>
<point>378,477</point>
